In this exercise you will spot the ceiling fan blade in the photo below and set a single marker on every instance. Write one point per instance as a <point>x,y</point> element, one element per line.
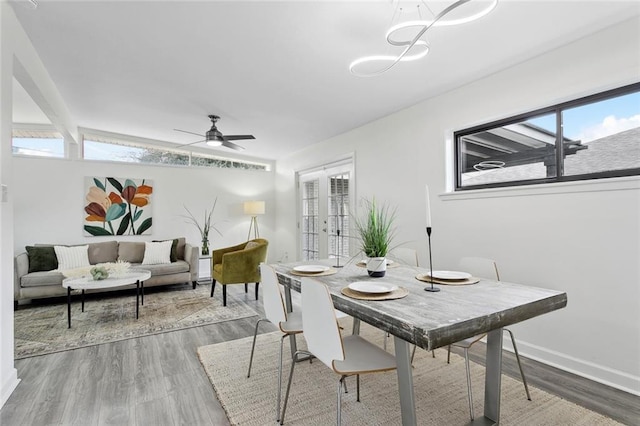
<point>232,145</point>
<point>191,133</point>
<point>193,143</point>
<point>238,137</point>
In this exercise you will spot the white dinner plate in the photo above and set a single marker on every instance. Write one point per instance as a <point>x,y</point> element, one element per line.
<point>371,287</point>
<point>451,275</point>
<point>311,269</point>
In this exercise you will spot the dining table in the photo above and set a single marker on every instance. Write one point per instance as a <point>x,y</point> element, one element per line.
<point>431,320</point>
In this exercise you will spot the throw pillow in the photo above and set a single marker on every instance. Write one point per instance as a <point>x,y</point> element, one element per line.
<point>41,259</point>
<point>72,257</point>
<point>174,248</point>
<point>129,251</point>
<point>157,253</point>
<point>103,252</point>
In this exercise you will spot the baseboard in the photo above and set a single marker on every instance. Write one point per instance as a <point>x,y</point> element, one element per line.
<point>8,385</point>
<point>607,376</point>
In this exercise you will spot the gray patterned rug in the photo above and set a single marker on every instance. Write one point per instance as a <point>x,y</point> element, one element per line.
<point>42,328</point>
<point>440,390</point>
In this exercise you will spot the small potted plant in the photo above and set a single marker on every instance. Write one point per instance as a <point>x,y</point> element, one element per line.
<point>376,233</point>
<point>205,227</point>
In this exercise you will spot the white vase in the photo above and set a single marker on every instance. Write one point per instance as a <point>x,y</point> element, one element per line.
<point>376,266</point>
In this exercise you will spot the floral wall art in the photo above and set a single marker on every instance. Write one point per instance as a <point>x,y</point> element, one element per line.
<point>117,206</point>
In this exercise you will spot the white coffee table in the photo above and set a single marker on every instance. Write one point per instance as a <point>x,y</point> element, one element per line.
<point>137,277</point>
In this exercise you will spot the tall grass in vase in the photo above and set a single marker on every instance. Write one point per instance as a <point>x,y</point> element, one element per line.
<point>376,233</point>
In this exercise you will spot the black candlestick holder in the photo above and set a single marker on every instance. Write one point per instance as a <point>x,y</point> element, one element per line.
<point>432,288</point>
<point>338,265</point>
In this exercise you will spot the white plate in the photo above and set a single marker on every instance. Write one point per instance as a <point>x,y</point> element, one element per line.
<point>311,269</point>
<point>371,287</point>
<point>451,275</point>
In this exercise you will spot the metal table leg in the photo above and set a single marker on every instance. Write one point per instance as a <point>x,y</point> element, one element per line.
<point>69,306</point>
<point>82,297</point>
<point>405,382</point>
<point>142,290</point>
<point>137,297</point>
<point>493,377</point>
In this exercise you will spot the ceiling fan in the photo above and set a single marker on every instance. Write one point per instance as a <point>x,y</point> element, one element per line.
<point>213,137</point>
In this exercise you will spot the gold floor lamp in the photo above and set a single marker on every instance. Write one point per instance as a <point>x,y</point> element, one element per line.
<point>253,208</point>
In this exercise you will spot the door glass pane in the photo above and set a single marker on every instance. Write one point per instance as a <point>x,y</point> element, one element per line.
<point>518,151</point>
<point>310,250</point>
<point>338,215</point>
<point>609,133</point>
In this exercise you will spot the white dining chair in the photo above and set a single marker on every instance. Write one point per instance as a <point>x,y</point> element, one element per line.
<point>488,269</point>
<point>346,356</point>
<point>405,255</point>
<point>289,323</point>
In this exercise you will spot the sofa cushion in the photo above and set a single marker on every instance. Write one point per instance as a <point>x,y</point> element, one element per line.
<point>132,252</point>
<point>103,252</point>
<point>41,259</point>
<point>72,257</point>
<point>174,248</point>
<point>157,253</point>
<point>38,279</point>
<point>166,268</point>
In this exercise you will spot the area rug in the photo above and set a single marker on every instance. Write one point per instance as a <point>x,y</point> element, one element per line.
<point>42,328</point>
<point>440,389</point>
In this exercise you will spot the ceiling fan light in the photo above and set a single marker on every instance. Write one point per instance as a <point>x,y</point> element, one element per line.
<point>213,142</point>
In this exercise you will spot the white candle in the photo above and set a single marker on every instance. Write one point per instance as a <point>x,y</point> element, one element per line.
<point>428,207</point>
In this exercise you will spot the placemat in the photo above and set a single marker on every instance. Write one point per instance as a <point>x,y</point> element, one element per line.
<point>398,293</point>
<point>426,278</point>
<point>330,271</point>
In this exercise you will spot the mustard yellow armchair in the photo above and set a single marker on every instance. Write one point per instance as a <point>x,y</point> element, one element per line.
<point>239,264</point>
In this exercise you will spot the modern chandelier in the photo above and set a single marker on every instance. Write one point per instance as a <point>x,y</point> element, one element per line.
<point>415,48</point>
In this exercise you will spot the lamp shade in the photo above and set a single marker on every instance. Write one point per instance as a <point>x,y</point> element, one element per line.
<point>254,208</point>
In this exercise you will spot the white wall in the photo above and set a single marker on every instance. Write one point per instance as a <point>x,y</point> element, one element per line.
<point>8,374</point>
<point>49,201</point>
<point>581,238</point>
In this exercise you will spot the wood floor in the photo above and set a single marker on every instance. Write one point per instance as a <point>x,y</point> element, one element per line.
<point>158,380</point>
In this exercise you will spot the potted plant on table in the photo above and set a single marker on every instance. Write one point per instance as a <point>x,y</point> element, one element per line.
<point>376,232</point>
<point>206,226</point>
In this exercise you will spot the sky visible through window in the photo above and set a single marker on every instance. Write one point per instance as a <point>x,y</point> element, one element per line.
<point>101,151</point>
<point>597,120</point>
<point>44,147</point>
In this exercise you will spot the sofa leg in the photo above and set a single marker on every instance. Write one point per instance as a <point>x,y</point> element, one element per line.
<point>15,305</point>
<point>224,295</point>
<point>195,283</point>
<point>246,287</point>
<point>213,286</point>
<point>257,284</point>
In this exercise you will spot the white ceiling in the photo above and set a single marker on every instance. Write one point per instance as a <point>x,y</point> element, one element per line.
<point>274,69</point>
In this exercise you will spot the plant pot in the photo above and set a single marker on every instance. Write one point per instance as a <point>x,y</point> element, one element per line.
<point>376,267</point>
<point>205,247</point>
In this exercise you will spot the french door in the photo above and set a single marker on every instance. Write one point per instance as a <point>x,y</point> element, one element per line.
<point>325,197</point>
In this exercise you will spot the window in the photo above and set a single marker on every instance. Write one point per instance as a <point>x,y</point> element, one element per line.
<point>38,143</point>
<point>104,148</point>
<point>600,137</point>
<point>204,160</point>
